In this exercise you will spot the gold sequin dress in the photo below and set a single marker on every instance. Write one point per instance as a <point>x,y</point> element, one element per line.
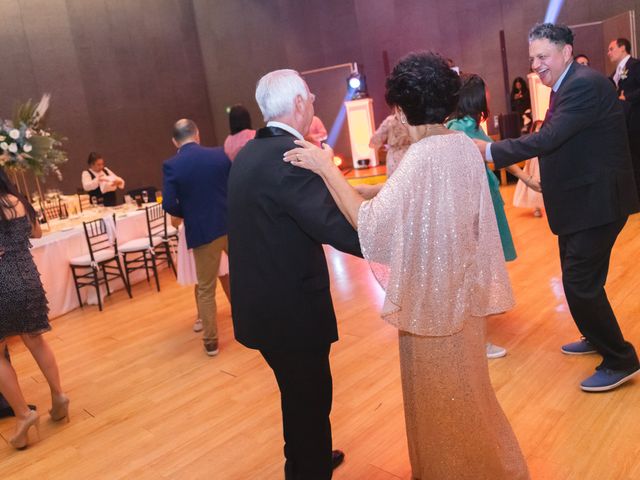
<point>433,243</point>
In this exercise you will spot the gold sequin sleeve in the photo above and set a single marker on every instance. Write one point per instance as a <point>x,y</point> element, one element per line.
<point>432,241</point>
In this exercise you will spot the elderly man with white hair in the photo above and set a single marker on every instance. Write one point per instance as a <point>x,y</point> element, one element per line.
<point>279,218</point>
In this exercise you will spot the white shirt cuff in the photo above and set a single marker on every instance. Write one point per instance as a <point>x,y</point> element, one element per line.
<point>487,153</point>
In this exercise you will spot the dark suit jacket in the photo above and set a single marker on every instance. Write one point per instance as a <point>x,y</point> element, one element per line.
<point>195,188</point>
<point>279,217</point>
<point>631,87</point>
<point>585,164</point>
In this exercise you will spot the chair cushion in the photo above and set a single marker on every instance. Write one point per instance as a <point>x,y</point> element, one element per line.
<point>172,232</point>
<point>101,256</point>
<point>139,244</point>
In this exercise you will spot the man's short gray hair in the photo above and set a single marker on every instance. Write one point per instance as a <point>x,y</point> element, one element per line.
<point>276,92</point>
<point>554,32</point>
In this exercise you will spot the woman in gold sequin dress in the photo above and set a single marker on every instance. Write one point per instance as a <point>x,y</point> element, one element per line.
<point>431,237</point>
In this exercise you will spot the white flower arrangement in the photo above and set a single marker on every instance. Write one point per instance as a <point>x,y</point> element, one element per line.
<point>26,144</point>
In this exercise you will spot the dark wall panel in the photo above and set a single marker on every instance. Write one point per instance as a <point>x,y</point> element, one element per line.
<point>243,39</point>
<point>120,73</point>
<point>589,41</point>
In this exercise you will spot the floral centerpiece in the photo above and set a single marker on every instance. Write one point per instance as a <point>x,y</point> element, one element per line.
<point>26,144</point>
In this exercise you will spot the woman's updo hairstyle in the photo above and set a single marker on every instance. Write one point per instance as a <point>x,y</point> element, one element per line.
<point>424,87</point>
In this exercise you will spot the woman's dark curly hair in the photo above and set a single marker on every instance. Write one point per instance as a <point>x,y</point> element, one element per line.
<point>472,100</point>
<point>424,87</point>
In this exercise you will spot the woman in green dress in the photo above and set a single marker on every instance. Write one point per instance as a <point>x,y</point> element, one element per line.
<point>472,110</point>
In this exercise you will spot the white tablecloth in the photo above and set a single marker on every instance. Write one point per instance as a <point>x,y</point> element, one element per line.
<point>53,251</point>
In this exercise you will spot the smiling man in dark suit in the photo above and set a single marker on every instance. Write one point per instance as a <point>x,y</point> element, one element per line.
<point>279,217</point>
<point>588,189</point>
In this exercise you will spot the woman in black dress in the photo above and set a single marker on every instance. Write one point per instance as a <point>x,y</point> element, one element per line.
<point>521,103</point>
<point>23,310</point>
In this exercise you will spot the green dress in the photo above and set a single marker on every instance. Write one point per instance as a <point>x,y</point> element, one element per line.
<point>469,126</point>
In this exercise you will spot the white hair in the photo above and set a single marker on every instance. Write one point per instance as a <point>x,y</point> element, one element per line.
<point>276,93</point>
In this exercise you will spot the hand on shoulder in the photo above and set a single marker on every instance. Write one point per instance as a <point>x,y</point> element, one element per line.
<point>310,157</point>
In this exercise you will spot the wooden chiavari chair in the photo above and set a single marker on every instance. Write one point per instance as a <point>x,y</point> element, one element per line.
<point>103,257</point>
<point>147,252</point>
<point>84,201</point>
<point>51,209</point>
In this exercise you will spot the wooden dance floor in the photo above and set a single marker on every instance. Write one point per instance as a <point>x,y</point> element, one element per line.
<point>147,403</point>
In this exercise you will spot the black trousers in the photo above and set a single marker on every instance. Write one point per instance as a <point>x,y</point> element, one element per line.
<point>306,390</point>
<point>584,257</point>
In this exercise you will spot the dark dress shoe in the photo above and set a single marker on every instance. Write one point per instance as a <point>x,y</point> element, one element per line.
<point>337,457</point>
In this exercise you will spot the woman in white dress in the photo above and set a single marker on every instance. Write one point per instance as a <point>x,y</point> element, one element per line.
<point>523,196</point>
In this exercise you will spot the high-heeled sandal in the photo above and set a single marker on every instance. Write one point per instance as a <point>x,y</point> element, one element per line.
<point>21,439</point>
<point>60,409</point>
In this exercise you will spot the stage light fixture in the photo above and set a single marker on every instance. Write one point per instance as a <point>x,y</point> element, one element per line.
<point>357,85</point>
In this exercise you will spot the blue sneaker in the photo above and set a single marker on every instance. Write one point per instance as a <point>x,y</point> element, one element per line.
<point>581,347</point>
<point>605,379</point>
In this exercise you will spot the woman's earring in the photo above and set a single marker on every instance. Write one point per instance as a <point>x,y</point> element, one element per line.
<point>403,118</point>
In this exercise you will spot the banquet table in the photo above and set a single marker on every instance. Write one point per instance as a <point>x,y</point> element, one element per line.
<point>65,240</point>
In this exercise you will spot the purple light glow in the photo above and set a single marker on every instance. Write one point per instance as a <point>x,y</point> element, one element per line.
<point>553,10</point>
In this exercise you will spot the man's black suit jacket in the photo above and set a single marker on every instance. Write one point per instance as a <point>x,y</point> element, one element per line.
<point>585,164</point>
<point>630,84</point>
<point>279,217</point>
